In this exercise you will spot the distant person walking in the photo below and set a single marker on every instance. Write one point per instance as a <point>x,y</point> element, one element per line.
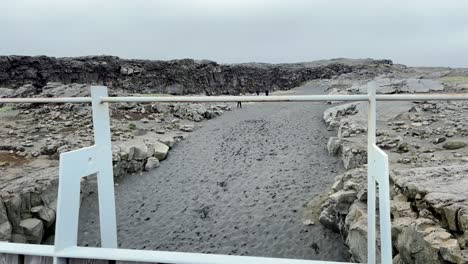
<point>239,104</point>
<point>266,92</point>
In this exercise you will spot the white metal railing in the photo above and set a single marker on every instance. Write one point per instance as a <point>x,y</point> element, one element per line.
<point>97,159</point>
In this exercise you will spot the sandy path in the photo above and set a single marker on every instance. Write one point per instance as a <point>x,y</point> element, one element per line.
<point>235,186</point>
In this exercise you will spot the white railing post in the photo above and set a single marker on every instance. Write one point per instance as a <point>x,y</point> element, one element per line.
<point>377,171</point>
<point>80,163</point>
<point>73,166</point>
<point>379,168</point>
<point>371,130</point>
<point>105,177</point>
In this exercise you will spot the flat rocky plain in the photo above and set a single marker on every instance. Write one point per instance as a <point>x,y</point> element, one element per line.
<point>265,180</point>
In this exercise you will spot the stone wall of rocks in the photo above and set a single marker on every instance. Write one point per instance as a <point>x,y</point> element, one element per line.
<point>29,215</point>
<point>429,223</point>
<point>176,77</point>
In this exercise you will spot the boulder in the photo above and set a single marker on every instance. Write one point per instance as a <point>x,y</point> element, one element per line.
<point>127,149</point>
<point>13,206</point>
<point>343,200</point>
<point>151,163</point>
<point>160,150</point>
<point>402,209</point>
<point>353,157</point>
<point>141,150</point>
<point>451,145</point>
<point>5,231</point>
<point>5,225</point>
<point>33,230</point>
<point>334,145</point>
<point>187,128</point>
<point>333,115</point>
<point>167,140</point>
<point>45,214</point>
<point>328,217</point>
<point>6,93</point>
<point>356,220</point>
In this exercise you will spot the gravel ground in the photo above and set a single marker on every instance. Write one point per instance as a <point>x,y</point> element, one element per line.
<point>238,185</point>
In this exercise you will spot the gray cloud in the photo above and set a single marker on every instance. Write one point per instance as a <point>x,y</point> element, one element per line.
<point>423,33</point>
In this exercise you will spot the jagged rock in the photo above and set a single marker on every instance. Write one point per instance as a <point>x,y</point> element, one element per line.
<point>328,218</point>
<point>26,91</point>
<point>45,214</point>
<point>443,189</point>
<point>463,219</point>
<point>127,150</point>
<point>422,241</point>
<point>5,225</point>
<point>343,196</point>
<point>187,128</point>
<point>438,140</point>
<point>160,150</point>
<point>402,209</point>
<point>357,233</point>
<point>452,254</point>
<point>334,145</point>
<point>6,93</point>
<point>409,85</point>
<point>13,206</point>
<point>141,150</point>
<point>332,116</point>
<point>56,89</point>
<point>167,140</point>
<point>343,200</point>
<point>49,149</point>
<point>151,163</point>
<point>350,128</point>
<point>352,157</point>
<point>33,229</point>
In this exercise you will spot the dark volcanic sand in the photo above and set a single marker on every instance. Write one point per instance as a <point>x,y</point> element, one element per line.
<point>238,185</point>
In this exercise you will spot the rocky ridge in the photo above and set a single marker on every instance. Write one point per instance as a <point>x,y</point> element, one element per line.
<point>178,76</point>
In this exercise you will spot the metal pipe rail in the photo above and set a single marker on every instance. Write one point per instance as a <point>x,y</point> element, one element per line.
<point>97,159</point>
<point>211,99</point>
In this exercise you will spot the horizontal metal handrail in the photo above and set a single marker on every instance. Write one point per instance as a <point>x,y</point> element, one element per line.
<point>122,254</point>
<point>208,99</point>
<point>273,98</point>
<point>45,100</point>
<point>421,97</point>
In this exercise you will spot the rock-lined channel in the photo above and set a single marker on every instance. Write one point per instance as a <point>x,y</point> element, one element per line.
<point>238,185</point>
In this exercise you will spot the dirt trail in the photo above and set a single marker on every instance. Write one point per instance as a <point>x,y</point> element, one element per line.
<point>238,185</point>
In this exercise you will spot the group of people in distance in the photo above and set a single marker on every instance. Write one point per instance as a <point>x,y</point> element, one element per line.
<point>239,104</point>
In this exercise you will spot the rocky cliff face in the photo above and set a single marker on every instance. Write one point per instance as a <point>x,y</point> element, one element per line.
<point>178,76</point>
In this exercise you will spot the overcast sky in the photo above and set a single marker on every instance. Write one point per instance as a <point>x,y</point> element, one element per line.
<point>413,32</point>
